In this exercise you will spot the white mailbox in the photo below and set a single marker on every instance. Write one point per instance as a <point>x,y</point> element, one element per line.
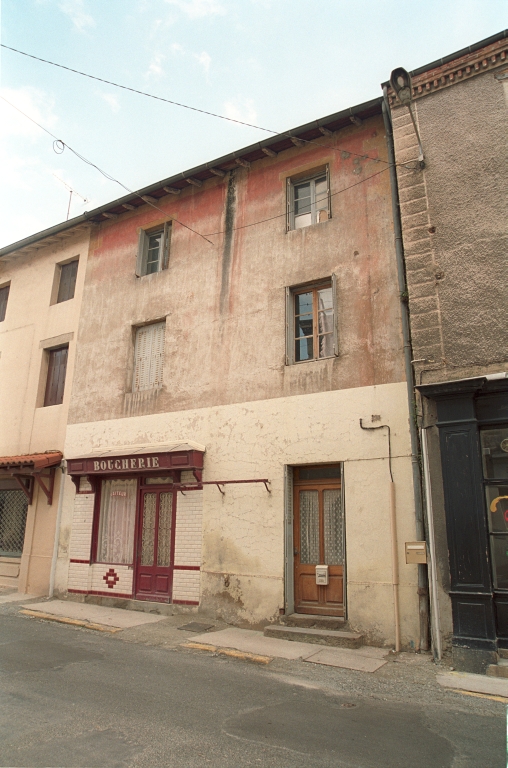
<point>322,575</point>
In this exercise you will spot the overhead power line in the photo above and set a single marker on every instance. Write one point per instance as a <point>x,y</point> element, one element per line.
<point>59,146</point>
<point>197,109</point>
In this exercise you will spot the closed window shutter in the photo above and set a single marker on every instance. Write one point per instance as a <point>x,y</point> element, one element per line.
<point>289,327</point>
<point>328,192</point>
<point>289,206</point>
<point>141,256</point>
<point>165,245</point>
<point>335,316</point>
<point>149,357</point>
<point>157,360</point>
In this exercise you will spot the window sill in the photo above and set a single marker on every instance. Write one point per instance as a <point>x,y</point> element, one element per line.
<point>308,226</point>
<point>314,360</point>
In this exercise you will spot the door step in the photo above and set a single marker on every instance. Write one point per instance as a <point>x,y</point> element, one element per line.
<point>308,620</point>
<point>502,653</point>
<point>337,638</point>
<point>498,670</point>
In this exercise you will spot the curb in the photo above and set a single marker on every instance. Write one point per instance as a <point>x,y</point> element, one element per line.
<point>243,655</point>
<point>73,622</point>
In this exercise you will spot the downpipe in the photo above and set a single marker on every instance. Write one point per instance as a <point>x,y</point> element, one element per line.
<point>63,470</point>
<point>423,589</point>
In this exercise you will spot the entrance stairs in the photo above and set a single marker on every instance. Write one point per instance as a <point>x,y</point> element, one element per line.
<point>322,630</point>
<point>501,668</point>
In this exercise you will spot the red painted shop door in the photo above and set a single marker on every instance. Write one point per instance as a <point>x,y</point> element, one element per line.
<point>156,544</point>
<point>318,540</point>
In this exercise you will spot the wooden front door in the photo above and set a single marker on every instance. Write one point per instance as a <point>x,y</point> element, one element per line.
<point>155,545</point>
<point>318,540</point>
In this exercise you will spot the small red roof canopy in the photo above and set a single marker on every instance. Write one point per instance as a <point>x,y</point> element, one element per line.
<point>31,461</point>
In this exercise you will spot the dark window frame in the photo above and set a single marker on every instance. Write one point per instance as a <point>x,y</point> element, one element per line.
<point>56,375</point>
<point>4,299</point>
<point>67,277</point>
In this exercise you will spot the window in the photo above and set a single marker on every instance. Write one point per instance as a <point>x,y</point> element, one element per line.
<point>149,357</point>
<point>4,295</point>
<point>55,382</point>
<point>13,509</point>
<point>115,540</point>
<point>308,200</point>
<point>153,250</point>
<point>311,322</point>
<point>67,281</point>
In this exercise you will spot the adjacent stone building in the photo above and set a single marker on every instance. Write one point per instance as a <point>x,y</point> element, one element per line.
<point>454,226</point>
<point>41,284</point>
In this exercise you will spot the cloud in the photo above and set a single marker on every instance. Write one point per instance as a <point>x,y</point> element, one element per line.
<point>205,60</point>
<point>176,48</point>
<point>75,10</point>
<point>241,109</point>
<point>197,9</point>
<point>112,100</point>
<point>155,69</point>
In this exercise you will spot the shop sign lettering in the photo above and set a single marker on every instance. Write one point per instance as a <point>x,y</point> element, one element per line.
<point>131,463</point>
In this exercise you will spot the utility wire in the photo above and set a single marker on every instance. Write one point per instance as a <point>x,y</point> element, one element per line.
<point>202,111</point>
<point>59,146</point>
<point>281,215</point>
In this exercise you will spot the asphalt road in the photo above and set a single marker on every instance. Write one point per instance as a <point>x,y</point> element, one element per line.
<point>73,698</point>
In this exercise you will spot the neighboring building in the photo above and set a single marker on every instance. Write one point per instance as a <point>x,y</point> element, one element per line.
<point>221,383</point>
<point>41,283</point>
<point>454,224</point>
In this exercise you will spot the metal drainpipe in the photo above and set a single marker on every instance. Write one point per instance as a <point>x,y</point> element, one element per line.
<point>57,528</point>
<point>423,589</point>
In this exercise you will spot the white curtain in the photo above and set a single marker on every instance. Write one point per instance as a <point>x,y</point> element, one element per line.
<point>116,523</point>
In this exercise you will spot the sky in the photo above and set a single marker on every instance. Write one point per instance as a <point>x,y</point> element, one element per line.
<point>275,63</point>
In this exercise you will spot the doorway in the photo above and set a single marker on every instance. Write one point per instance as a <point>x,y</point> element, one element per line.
<point>155,545</point>
<point>318,539</point>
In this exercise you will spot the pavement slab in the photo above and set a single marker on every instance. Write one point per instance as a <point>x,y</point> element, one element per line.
<point>94,614</point>
<point>466,681</point>
<point>366,659</point>
<point>347,659</point>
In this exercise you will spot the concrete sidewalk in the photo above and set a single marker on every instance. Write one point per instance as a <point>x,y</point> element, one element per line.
<point>86,613</point>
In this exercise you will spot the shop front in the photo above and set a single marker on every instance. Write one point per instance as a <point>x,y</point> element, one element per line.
<point>136,530</point>
<point>472,421</point>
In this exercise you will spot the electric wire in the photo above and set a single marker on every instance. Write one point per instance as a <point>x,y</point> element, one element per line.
<point>202,111</point>
<point>59,145</point>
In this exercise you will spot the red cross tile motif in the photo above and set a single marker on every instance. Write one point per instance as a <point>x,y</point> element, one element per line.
<point>111,577</point>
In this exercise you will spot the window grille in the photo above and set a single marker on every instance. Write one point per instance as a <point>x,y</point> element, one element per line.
<point>13,509</point>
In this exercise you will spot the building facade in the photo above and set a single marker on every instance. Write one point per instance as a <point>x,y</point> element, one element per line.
<point>41,284</point>
<point>239,411</point>
<point>454,226</point>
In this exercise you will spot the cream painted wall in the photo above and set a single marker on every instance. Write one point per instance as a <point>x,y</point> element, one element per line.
<point>31,322</point>
<point>243,531</point>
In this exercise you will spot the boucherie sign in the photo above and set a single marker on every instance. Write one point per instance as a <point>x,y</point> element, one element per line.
<point>149,462</point>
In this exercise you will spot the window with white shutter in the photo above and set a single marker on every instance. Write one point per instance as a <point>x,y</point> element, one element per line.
<point>149,357</point>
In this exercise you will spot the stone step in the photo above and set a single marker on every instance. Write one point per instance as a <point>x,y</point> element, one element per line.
<point>498,670</point>
<point>502,653</point>
<point>337,638</point>
<point>316,622</point>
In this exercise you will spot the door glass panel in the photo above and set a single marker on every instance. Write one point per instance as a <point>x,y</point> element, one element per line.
<point>334,527</point>
<point>497,506</point>
<point>148,532</point>
<point>309,527</point>
<point>164,533</point>
<point>499,550</point>
<point>495,452</point>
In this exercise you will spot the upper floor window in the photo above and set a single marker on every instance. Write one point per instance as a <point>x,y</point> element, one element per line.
<point>4,295</point>
<point>67,280</point>
<point>308,200</point>
<point>55,381</point>
<point>153,250</point>
<point>311,322</point>
<point>149,357</point>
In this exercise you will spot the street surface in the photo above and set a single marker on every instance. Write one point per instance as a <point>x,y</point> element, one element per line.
<point>74,698</point>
